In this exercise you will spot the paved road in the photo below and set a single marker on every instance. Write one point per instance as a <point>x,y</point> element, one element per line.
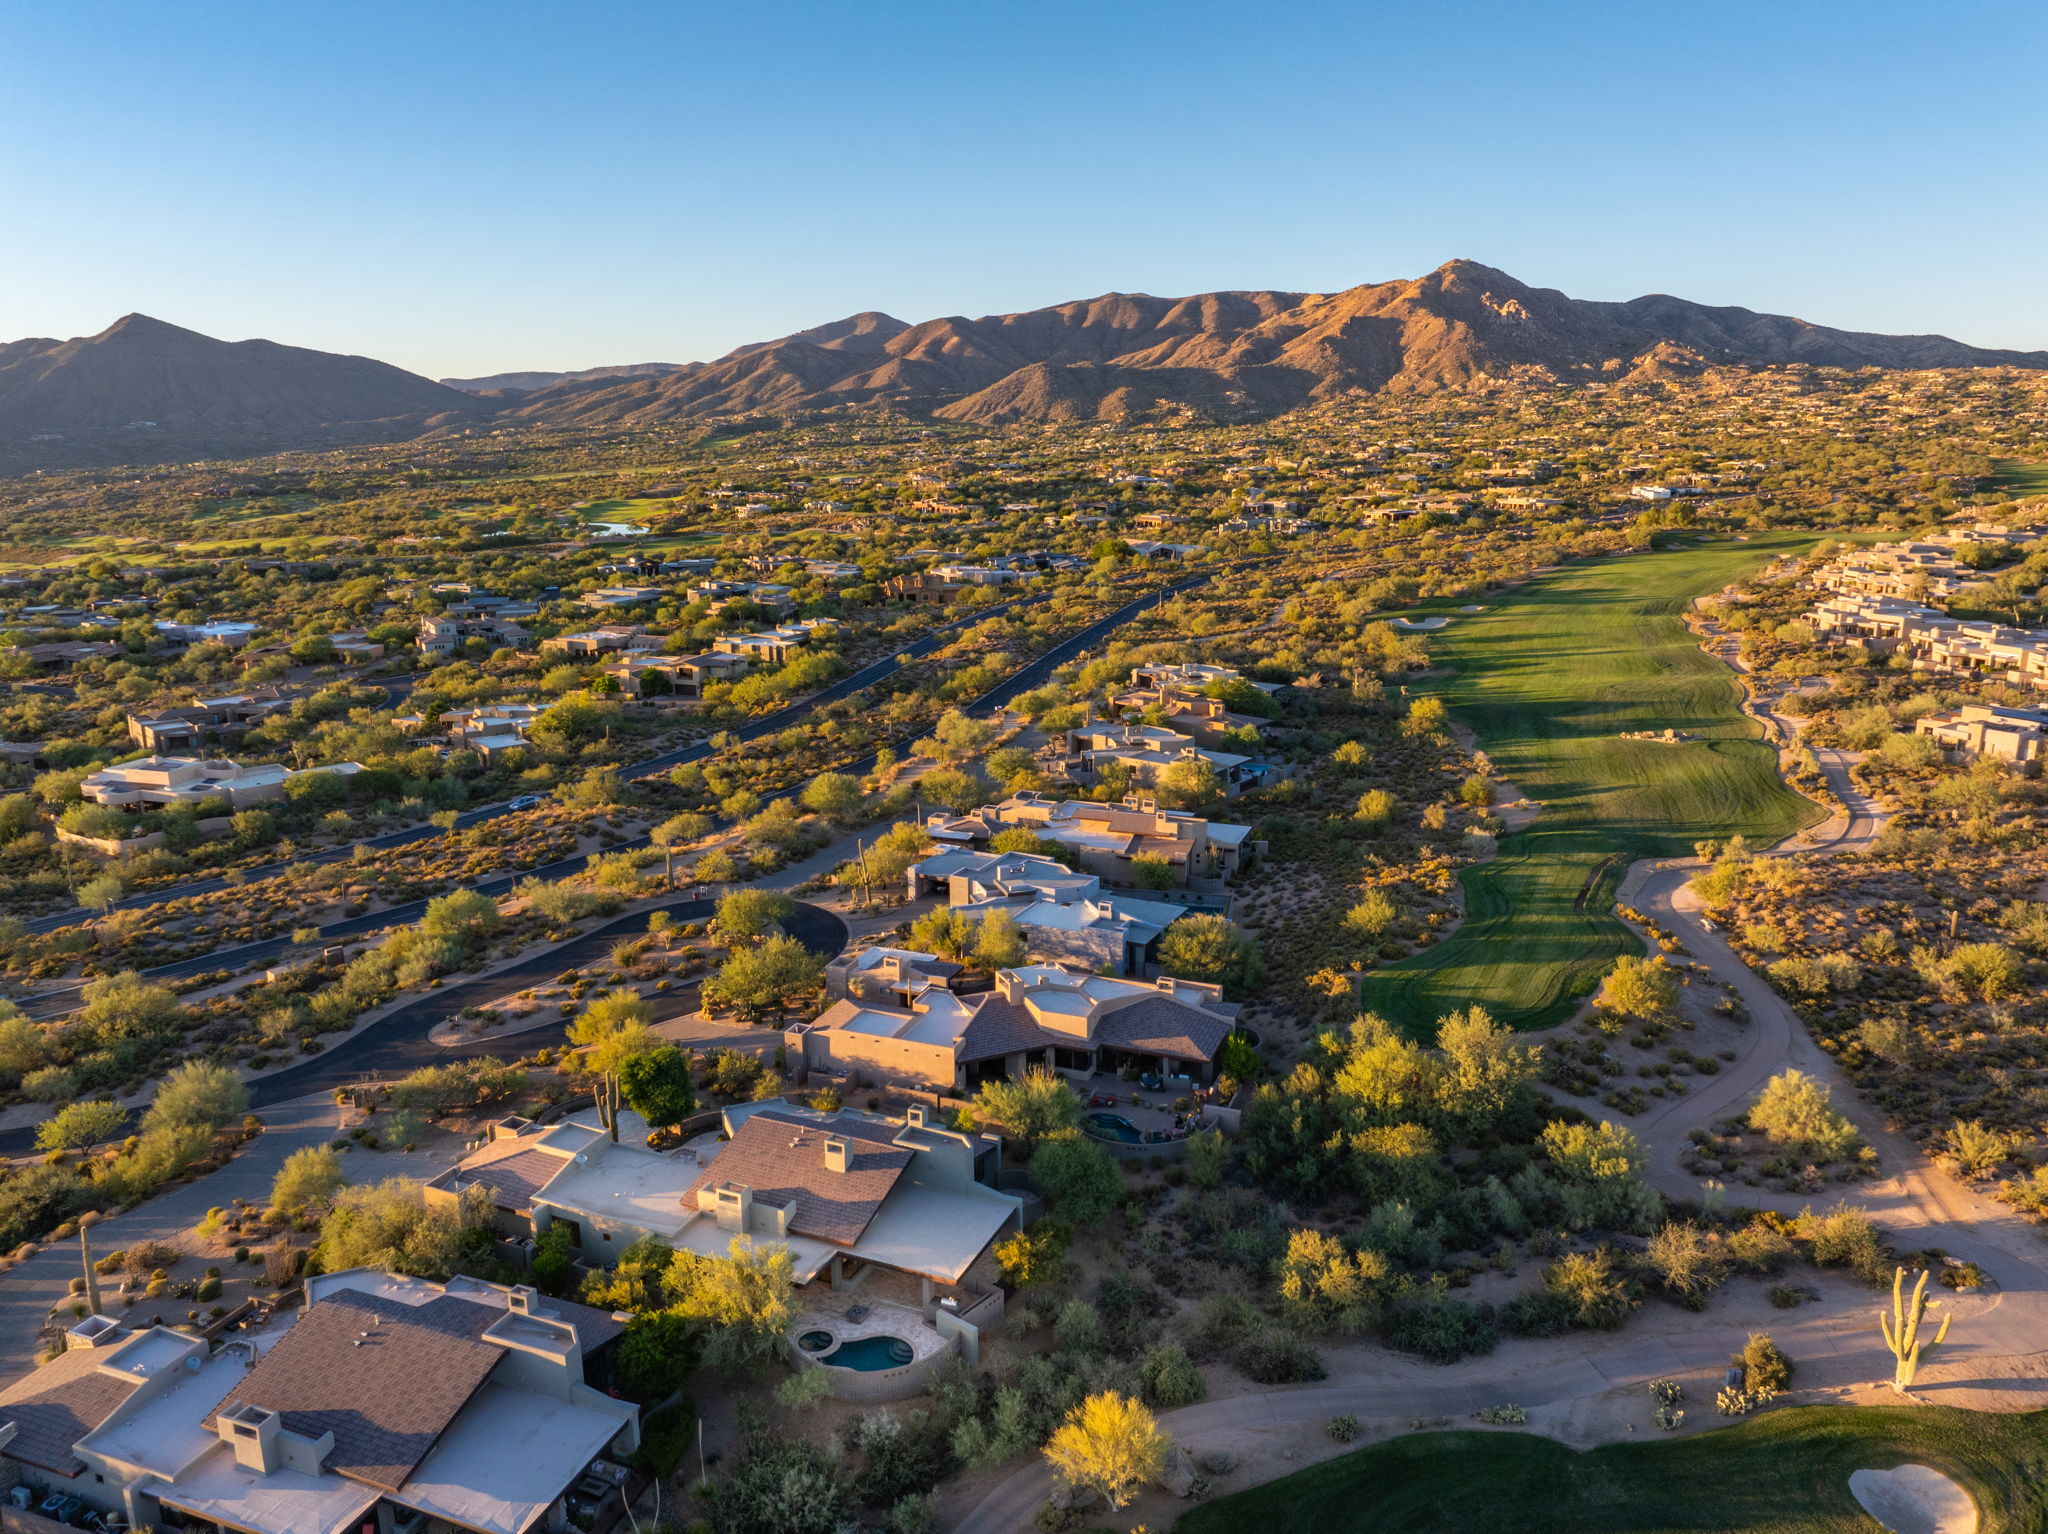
<point>29,1290</point>
<point>54,1004</point>
<point>399,1042</point>
<point>753,729</point>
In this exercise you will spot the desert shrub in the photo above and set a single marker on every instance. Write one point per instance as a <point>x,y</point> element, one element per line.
<point>1760,1246</point>
<point>1689,1261</point>
<point>1765,1368</point>
<point>1797,1111</point>
<point>1599,1292</point>
<point>1169,1378</point>
<point>1441,1329</point>
<point>1277,1358</point>
<point>665,1437</point>
<point>1846,1237</point>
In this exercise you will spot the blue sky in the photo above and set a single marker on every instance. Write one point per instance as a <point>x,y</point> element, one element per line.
<point>466,187</point>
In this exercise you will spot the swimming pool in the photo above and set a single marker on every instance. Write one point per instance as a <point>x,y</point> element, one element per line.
<point>1114,1126</point>
<point>870,1353</point>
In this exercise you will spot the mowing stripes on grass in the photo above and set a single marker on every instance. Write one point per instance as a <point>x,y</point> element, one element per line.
<point>1550,678</point>
<point>1785,1472</point>
<point>2009,476</point>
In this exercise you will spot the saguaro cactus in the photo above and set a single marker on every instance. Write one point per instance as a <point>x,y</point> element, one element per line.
<point>1902,1329</point>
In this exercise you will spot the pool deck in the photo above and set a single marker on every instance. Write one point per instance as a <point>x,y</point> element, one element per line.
<point>885,1318</point>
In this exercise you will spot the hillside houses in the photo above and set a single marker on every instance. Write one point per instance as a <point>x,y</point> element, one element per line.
<point>385,1403</point>
<point>1978,730</point>
<point>1934,641</point>
<point>1035,1017</point>
<point>1064,916</point>
<point>1105,838</point>
<point>1146,753</point>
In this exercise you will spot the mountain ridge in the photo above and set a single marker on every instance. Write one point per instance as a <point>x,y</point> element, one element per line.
<point>146,390</point>
<point>1238,352</point>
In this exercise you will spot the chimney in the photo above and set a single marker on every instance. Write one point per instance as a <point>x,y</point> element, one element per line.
<point>914,1118</point>
<point>1009,985</point>
<point>838,1153</point>
<point>251,1432</point>
<point>520,1300</point>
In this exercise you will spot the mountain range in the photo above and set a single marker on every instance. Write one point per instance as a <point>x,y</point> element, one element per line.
<point>144,390</point>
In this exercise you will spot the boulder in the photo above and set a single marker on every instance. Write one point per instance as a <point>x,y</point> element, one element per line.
<point>1177,1475</point>
<point>1217,1461</point>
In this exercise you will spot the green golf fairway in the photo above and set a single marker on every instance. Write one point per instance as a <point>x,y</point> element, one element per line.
<point>1786,1472</point>
<point>1550,677</point>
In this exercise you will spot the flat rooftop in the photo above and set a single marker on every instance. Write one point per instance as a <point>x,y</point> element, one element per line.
<point>283,1502</point>
<point>506,1458</point>
<point>632,1186</point>
<point>168,1433</point>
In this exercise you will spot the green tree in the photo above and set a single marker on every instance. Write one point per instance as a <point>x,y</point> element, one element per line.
<point>998,942</point>
<point>943,931</point>
<point>1600,1169</point>
<point>198,1094</point>
<point>81,1126</point>
<point>1213,949</point>
<point>953,789</point>
<point>1078,1177</point>
<point>126,1006</point>
<point>1593,1287</point>
<point>1327,1286</point>
<point>1152,872</point>
<point>309,1179</point>
<point>1035,1256</point>
<point>1032,1107</point>
<point>749,913</point>
<point>1487,1071</point>
<point>1373,914</point>
<point>742,1303</point>
<point>771,977</point>
<point>836,796</point>
<point>657,1085</point>
<point>1797,1111</point>
<point>1641,988</point>
<point>1375,810</point>
<point>23,1046</point>
<point>388,1225</point>
<point>464,917</point>
<point>1190,785</point>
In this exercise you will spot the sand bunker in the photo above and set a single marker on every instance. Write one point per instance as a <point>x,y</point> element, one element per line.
<point>1474,609</point>
<point>1435,622</point>
<point>1914,1499</point>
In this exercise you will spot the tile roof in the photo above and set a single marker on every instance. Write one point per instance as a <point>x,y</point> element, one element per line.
<point>386,1398</point>
<point>1159,1025</point>
<point>1002,1027</point>
<point>58,1404</point>
<point>781,1157</point>
<point>513,1179</point>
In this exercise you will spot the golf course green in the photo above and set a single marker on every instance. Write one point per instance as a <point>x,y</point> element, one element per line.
<point>1786,1472</point>
<point>1550,677</point>
<point>2014,476</point>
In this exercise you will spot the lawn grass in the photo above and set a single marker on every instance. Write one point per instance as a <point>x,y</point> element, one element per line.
<point>1550,677</point>
<point>2009,476</point>
<point>1785,1472</point>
